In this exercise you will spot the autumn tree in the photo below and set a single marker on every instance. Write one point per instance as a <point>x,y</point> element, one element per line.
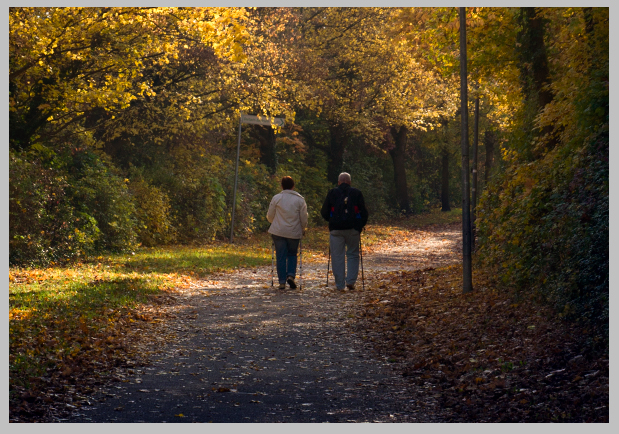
<point>66,63</point>
<point>89,78</point>
<point>371,87</point>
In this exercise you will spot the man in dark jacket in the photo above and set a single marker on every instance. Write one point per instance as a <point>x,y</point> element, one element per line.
<point>344,209</point>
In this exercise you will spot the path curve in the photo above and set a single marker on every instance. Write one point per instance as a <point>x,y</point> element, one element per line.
<point>238,350</point>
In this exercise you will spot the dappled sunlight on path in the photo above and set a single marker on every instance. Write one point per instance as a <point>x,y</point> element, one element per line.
<point>236,349</point>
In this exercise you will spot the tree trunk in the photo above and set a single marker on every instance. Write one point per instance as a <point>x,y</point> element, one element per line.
<point>533,65</point>
<point>24,126</point>
<point>445,181</point>
<point>266,144</point>
<point>474,172</point>
<point>533,57</point>
<point>337,145</point>
<point>489,141</point>
<point>467,277</point>
<point>399,169</point>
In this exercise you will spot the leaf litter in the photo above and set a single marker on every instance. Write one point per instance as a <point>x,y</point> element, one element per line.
<point>486,356</point>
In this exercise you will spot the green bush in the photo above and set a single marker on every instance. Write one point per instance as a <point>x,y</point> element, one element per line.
<point>66,204</point>
<point>193,185</point>
<point>309,181</point>
<point>96,191</point>
<point>152,212</point>
<point>545,226</point>
<point>44,226</point>
<point>255,189</point>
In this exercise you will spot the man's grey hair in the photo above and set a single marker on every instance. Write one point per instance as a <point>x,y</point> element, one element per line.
<point>344,178</point>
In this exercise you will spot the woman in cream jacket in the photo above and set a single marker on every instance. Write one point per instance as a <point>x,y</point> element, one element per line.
<point>288,217</point>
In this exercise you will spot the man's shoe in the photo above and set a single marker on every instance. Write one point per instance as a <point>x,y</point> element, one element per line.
<point>282,286</point>
<point>350,287</point>
<point>290,281</point>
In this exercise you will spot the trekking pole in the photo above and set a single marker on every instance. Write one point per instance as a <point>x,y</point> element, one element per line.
<point>272,260</point>
<point>361,254</point>
<point>301,264</point>
<point>328,263</point>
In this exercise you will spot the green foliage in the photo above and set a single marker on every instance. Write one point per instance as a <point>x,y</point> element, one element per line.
<point>152,212</point>
<point>95,190</point>
<point>313,187</point>
<point>310,181</point>
<point>43,224</point>
<point>425,176</point>
<point>197,197</point>
<point>66,205</point>
<point>255,189</point>
<point>544,221</point>
<point>545,225</point>
<point>372,175</point>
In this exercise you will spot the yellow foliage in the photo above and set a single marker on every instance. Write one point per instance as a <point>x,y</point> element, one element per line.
<point>82,58</point>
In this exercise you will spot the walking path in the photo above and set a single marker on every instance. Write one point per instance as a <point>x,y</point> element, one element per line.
<point>239,350</point>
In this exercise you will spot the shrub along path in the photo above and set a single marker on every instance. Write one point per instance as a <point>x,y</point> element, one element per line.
<point>235,349</point>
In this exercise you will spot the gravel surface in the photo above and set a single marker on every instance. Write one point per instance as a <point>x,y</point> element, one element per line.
<point>235,349</point>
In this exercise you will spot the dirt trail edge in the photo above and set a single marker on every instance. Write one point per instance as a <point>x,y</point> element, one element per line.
<point>238,350</point>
